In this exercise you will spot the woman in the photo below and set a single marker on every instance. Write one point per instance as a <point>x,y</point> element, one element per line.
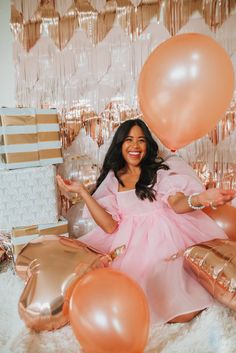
<point>142,203</point>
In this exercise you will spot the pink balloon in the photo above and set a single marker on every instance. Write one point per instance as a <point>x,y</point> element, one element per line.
<point>185,87</point>
<point>109,313</point>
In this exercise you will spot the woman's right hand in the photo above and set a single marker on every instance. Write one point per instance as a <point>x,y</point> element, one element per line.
<point>215,197</point>
<point>68,186</point>
<point>99,214</point>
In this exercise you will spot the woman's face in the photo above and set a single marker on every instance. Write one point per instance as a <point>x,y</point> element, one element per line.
<point>134,146</point>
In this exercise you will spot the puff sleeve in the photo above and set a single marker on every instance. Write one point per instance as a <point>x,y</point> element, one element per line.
<point>105,195</point>
<point>174,180</point>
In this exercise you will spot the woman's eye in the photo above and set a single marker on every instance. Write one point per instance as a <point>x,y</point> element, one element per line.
<point>142,140</point>
<point>128,139</point>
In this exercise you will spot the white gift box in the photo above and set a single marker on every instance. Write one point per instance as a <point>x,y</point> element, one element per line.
<point>28,196</point>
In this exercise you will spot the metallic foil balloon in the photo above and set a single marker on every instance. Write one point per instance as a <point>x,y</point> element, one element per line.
<point>183,91</point>
<point>214,264</point>
<point>51,266</point>
<point>109,313</point>
<point>225,217</point>
<point>78,225</point>
<point>80,168</point>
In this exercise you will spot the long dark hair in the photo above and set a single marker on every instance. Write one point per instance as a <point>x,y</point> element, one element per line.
<point>149,165</point>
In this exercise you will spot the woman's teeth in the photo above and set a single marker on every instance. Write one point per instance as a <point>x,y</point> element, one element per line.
<point>134,153</point>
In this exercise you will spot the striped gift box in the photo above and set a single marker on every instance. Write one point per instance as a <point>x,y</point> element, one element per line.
<point>29,137</point>
<point>23,235</point>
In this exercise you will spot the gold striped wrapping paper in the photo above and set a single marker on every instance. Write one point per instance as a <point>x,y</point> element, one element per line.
<point>29,137</point>
<point>23,235</point>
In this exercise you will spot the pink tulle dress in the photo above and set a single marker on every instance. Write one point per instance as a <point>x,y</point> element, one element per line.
<point>152,233</point>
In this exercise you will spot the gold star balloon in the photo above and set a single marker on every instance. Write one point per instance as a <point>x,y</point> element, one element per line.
<point>214,264</point>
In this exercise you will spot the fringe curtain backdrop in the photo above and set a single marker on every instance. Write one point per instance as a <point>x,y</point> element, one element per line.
<point>84,58</point>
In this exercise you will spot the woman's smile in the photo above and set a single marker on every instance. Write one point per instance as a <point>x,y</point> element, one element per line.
<point>134,154</point>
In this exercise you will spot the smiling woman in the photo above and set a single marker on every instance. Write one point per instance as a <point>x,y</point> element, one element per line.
<point>155,212</point>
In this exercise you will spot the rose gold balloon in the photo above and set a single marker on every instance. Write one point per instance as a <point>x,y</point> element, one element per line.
<point>109,313</point>
<point>184,88</point>
<point>51,265</point>
<point>225,217</point>
<point>214,264</point>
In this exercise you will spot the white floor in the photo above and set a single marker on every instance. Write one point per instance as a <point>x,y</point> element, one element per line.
<point>214,331</point>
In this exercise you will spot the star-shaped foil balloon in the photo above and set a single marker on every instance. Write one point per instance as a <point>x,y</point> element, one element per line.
<point>214,264</point>
<point>51,266</point>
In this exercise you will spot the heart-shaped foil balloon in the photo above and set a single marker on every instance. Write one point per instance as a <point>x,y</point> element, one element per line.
<point>51,266</point>
<point>214,264</point>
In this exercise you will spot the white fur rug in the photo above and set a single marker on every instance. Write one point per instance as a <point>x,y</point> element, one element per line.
<point>214,331</point>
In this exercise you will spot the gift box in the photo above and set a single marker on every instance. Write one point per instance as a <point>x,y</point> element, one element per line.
<point>23,235</point>
<point>28,196</point>
<point>29,137</point>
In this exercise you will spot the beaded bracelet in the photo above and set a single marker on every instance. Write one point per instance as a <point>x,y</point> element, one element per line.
<point>189,200</point>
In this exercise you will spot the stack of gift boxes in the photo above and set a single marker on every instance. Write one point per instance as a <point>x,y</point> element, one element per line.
<point>30,148</point>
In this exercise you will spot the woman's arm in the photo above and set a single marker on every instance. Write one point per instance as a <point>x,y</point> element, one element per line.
<point>211,197</point>
<point>102,218</point>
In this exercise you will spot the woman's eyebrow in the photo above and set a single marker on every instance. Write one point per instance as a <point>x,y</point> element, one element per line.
<point>142,136</point>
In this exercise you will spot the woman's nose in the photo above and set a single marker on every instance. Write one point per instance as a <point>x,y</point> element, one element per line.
<point>135,143</point>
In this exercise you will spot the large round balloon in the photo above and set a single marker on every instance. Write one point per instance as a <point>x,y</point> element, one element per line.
<point>109,313</point>
<point>184,88</point>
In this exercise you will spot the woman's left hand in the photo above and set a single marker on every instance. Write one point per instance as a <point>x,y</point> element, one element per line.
<point>216,197</point>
